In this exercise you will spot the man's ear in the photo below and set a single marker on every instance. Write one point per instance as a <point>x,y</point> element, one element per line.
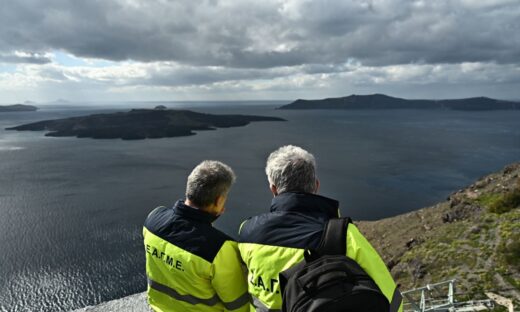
<point>317,186</point>
<point>273,189</point>
<point>219,204</point>
<point>220,200</point>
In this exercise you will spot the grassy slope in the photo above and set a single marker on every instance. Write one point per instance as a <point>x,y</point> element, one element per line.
<point>473,237</point>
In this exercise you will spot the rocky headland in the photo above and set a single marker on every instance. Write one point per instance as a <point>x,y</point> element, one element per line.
<point>381,101</point>
<point>139,124</point>
<point>473,237</point>
<point>18,108</point>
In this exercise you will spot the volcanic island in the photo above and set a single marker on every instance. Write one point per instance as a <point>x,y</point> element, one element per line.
<point>138,124</point>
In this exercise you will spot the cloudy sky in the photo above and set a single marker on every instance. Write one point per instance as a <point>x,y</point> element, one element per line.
<point>118,50</point>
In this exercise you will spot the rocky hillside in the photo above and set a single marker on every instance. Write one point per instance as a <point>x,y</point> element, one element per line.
<point>382,101</point>
<point>473,237</point>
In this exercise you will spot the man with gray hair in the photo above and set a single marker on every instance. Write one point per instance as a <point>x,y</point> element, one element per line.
<point>273,242</point>
<point>190,265</point>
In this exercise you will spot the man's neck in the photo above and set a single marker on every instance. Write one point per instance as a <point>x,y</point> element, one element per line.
<point>190,204</point>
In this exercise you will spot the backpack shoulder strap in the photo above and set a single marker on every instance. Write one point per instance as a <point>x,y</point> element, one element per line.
<point>334,237</point>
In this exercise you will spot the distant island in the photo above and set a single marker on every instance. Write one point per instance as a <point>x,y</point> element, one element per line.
<point>139,124</point>
<point>60,101</point>
<point>381,101</point>
<point>18,108</point>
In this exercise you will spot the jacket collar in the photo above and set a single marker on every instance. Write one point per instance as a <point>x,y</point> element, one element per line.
<point>306,203</point>
<point>188,212</point>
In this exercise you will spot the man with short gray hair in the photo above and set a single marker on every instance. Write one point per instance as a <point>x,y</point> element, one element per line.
<point>275,241</point>
<point>190,265</point>
<point>291,169</point>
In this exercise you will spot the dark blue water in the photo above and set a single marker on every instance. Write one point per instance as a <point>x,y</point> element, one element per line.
<point>71,209</point>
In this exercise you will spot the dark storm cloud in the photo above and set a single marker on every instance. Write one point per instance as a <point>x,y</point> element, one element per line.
<point>203,76</point>
<point>264,34</point>
<point>24,58</point>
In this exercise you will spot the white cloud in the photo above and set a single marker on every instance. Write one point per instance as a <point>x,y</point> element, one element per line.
<point>161,77</point>
<point>106,47</point>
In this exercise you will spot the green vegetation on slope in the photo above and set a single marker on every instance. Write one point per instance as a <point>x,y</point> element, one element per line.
<point>500,203</point>
<point>473,237</point>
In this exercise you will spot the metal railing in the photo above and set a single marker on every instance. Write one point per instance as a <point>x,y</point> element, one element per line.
<point>440,297</point>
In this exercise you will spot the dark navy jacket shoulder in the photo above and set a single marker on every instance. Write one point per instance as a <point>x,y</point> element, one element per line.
<point>296,220</point>
<point>187,228</point>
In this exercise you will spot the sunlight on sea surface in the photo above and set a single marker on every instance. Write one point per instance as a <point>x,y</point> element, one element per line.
<point>71,210</point>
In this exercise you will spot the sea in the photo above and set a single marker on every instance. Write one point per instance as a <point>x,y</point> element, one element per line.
<point>71,210</point>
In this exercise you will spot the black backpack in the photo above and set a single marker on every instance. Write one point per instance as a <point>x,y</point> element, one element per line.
<point>326,280</point>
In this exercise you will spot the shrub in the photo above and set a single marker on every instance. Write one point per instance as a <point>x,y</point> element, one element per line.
<point>506,202</point>
<point>511,250</point>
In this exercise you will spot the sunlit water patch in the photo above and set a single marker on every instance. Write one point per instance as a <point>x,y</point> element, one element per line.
<point>71,210</point>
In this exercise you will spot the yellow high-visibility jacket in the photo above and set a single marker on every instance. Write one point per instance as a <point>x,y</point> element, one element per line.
<point>273,242</point>
<point>190,265</point>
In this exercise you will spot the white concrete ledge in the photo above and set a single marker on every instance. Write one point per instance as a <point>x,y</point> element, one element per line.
<point>133,303</point>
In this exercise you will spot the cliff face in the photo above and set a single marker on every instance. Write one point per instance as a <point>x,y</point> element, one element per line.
<point>474,237</point>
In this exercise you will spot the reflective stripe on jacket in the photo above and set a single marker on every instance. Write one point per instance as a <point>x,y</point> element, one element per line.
<point>190,265</point>
<point>275,241</point>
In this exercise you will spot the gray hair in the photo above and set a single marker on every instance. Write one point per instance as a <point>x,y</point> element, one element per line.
<point>207,181</point>
<point>291,169</point>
